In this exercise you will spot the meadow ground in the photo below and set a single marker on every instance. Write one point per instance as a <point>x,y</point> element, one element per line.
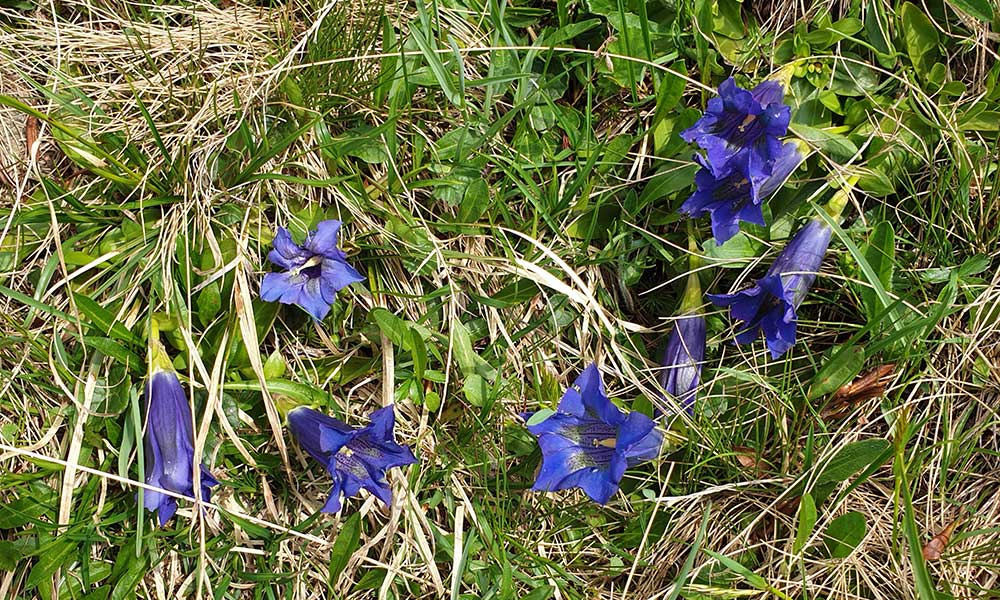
<point>509,176</point>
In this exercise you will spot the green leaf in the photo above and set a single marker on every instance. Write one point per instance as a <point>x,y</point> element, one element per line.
<point>475,389</point>
<point>275,366</point>
<point>834,144</point>
<point>542,592</point>
<point>922,578</point>
<point>209,302</point>
<point>300,392</point>
<point>880,252</point>
<point>257,532</point>
<point>853,458</point>
<point>920,38</point>
<point>392,326</point>
<point>844,533</point>
<point>470,362</point>
<point>103,319</point>
<point>539,416</point>
<point>344,546</point>
<point>475,201</point>
<point>115,350</point>
<point>752,578</point>
<point>844,365</point>
<point>50,557</point>
<point>18,513</point>
<point>979,9</point>
<point>735,253</point>
<point>807,520</point>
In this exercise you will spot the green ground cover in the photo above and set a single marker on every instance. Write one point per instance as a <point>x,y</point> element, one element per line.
<point>509,176</point>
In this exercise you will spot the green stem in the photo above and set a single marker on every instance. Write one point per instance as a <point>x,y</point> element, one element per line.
<point>835,207</point>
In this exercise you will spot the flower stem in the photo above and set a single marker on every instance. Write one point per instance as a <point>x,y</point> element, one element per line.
<point>284,404</point>
<point>692,298</point>
<point>835,207</point>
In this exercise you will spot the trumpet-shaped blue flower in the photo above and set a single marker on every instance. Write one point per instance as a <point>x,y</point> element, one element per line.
<point>588,442</point>
<point>770,305</point>
<point>356,458</point>
<point>742,121</point>
<point>316,270</point>
<point>734,191</point>
<point>682,358</point>
<point>169,445</point>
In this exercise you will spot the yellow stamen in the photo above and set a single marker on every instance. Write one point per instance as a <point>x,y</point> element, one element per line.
<point>607,443</point>
<point>747,121</point>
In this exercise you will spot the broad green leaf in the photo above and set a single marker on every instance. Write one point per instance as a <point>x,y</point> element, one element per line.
<point>807,520</point>
<point>466,357</point>
<point>392,326</point>
<point>115,350</point>
<point>853,458</point>
<point>50,557</point>
<point>880,252</point>
<point>844,364</point>
<point>542,592</point>
<point>979,9</point>
<point>300,392</point>
<point>540,416</point>
<point>104,319</point>
<point>344,546</point>
<point>209,302</point>
<point>734,253</point>
<point>844,533</point>
<point>475,389</point>
<point>920,38</point>
<point>475,201</point>
<point>833,144</point>
<point>18,513</point>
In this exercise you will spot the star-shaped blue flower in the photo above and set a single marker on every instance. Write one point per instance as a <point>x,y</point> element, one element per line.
<point>316,270</point>
<point>588,442</point>
<point>355,458</point>
<point>742,121</point>
<point>734,191</point>
<point>770,305</point>
<point>682,358</point>
<point>169,445</point>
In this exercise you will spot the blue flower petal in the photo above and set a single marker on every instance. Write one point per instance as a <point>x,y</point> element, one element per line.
<point>645,449</point>
<point>635,427</point>
<point>286,254</point>
<point>166,510</point>
<point>770,306</point>
<point>281,287</point>
<point>355,457</point>
<point>332,504</point>
<point>588,442</point>
<point>768,92</point>
<point>311,299</point>
<point>682,358</point>
<point>336,275</point>
<point>324,239</point>
<point>168,440</point>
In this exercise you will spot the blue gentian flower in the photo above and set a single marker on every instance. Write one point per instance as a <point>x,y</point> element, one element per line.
<point>682,358</point>
<point>356,458</point>
<point>770,305</point>
<point>734,191</point>
<point>588,442</point>
<point>317,270</point>
<point>742,121</point>
<point>169,445</point>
